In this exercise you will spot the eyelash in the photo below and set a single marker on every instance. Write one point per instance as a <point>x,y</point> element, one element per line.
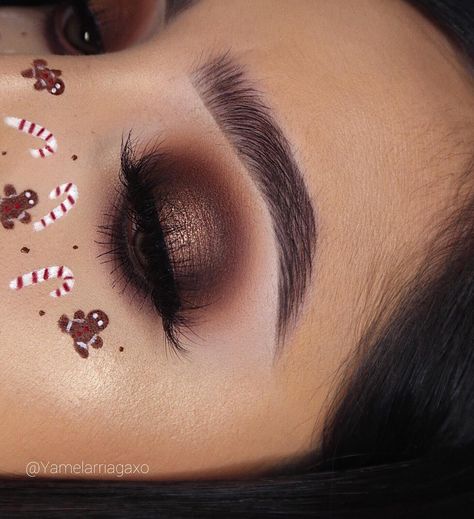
<point>140,205</point>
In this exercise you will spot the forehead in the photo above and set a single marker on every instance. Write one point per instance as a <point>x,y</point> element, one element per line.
<point>335,87</point>
<point>348,101</point>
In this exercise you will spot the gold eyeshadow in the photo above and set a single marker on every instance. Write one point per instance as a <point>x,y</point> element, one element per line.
<point>200,224</point>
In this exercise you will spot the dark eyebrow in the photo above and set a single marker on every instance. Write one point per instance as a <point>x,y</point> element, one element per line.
<point>241,114</point>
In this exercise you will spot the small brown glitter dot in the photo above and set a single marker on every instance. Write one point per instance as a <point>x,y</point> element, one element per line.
<point>121,348</point>
<point>25,250</point>
<point>4,152</point>
<point>24,33</point>
<point>75,247</point>
<point>74,157</point>
<point>41,312</point>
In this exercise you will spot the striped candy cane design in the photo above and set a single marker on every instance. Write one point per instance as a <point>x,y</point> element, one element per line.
<point>72,195</point>
<point>37,131</point>
<point>38,276</point>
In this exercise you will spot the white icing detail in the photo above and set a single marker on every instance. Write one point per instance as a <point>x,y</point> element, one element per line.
<point>95,315</point>
<point>100,323</point>
<point>69,326</point>
<point>31,202</point>
<point>27,194</point>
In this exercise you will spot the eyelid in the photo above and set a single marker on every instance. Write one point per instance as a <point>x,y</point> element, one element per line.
<point>141,18</point>
<point>204,225</point>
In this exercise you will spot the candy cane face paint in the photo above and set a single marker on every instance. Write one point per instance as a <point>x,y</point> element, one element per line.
<point>46,78</point>
<point>72,195</point>
<point>85,329</point>
<point>44,274</point>
<point>36,130</point>
<point>15,207</point>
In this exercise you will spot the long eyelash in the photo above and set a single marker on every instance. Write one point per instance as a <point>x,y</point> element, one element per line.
<point>136,203</point>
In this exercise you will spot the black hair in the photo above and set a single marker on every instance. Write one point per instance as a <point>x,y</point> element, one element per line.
<point>398,442</point>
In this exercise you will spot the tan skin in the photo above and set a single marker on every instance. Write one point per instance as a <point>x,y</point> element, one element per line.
<point>379,113</point>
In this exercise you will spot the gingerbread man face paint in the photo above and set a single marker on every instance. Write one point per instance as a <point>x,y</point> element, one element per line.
<point>85,330</point>
<point>46,78</point>
<point>15,206</point>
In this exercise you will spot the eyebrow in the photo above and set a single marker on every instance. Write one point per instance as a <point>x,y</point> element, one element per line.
<point>247,122</point>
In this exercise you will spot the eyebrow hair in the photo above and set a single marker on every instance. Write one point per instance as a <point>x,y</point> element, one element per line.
<point>238,109</point>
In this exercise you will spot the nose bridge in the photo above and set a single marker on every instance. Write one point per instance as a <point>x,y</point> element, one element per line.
<point>52,105</point>
<point>65,148</point>
<point>33,79</point>
<point>94,99</point>
<point>51,148</point>
<point>50,139</point>
<point>22,30</point>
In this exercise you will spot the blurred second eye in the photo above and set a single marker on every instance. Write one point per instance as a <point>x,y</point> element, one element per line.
<point>100,26</point>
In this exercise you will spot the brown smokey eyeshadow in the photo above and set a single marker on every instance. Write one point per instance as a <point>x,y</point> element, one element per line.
<point>200,214</point>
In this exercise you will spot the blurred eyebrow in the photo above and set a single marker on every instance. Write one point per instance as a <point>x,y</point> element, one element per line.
<point>248,125</point>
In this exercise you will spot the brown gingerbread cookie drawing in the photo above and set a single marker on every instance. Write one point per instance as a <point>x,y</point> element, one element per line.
<point>46,78</point>
<point>15,206</point>
<point>84,329</point>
